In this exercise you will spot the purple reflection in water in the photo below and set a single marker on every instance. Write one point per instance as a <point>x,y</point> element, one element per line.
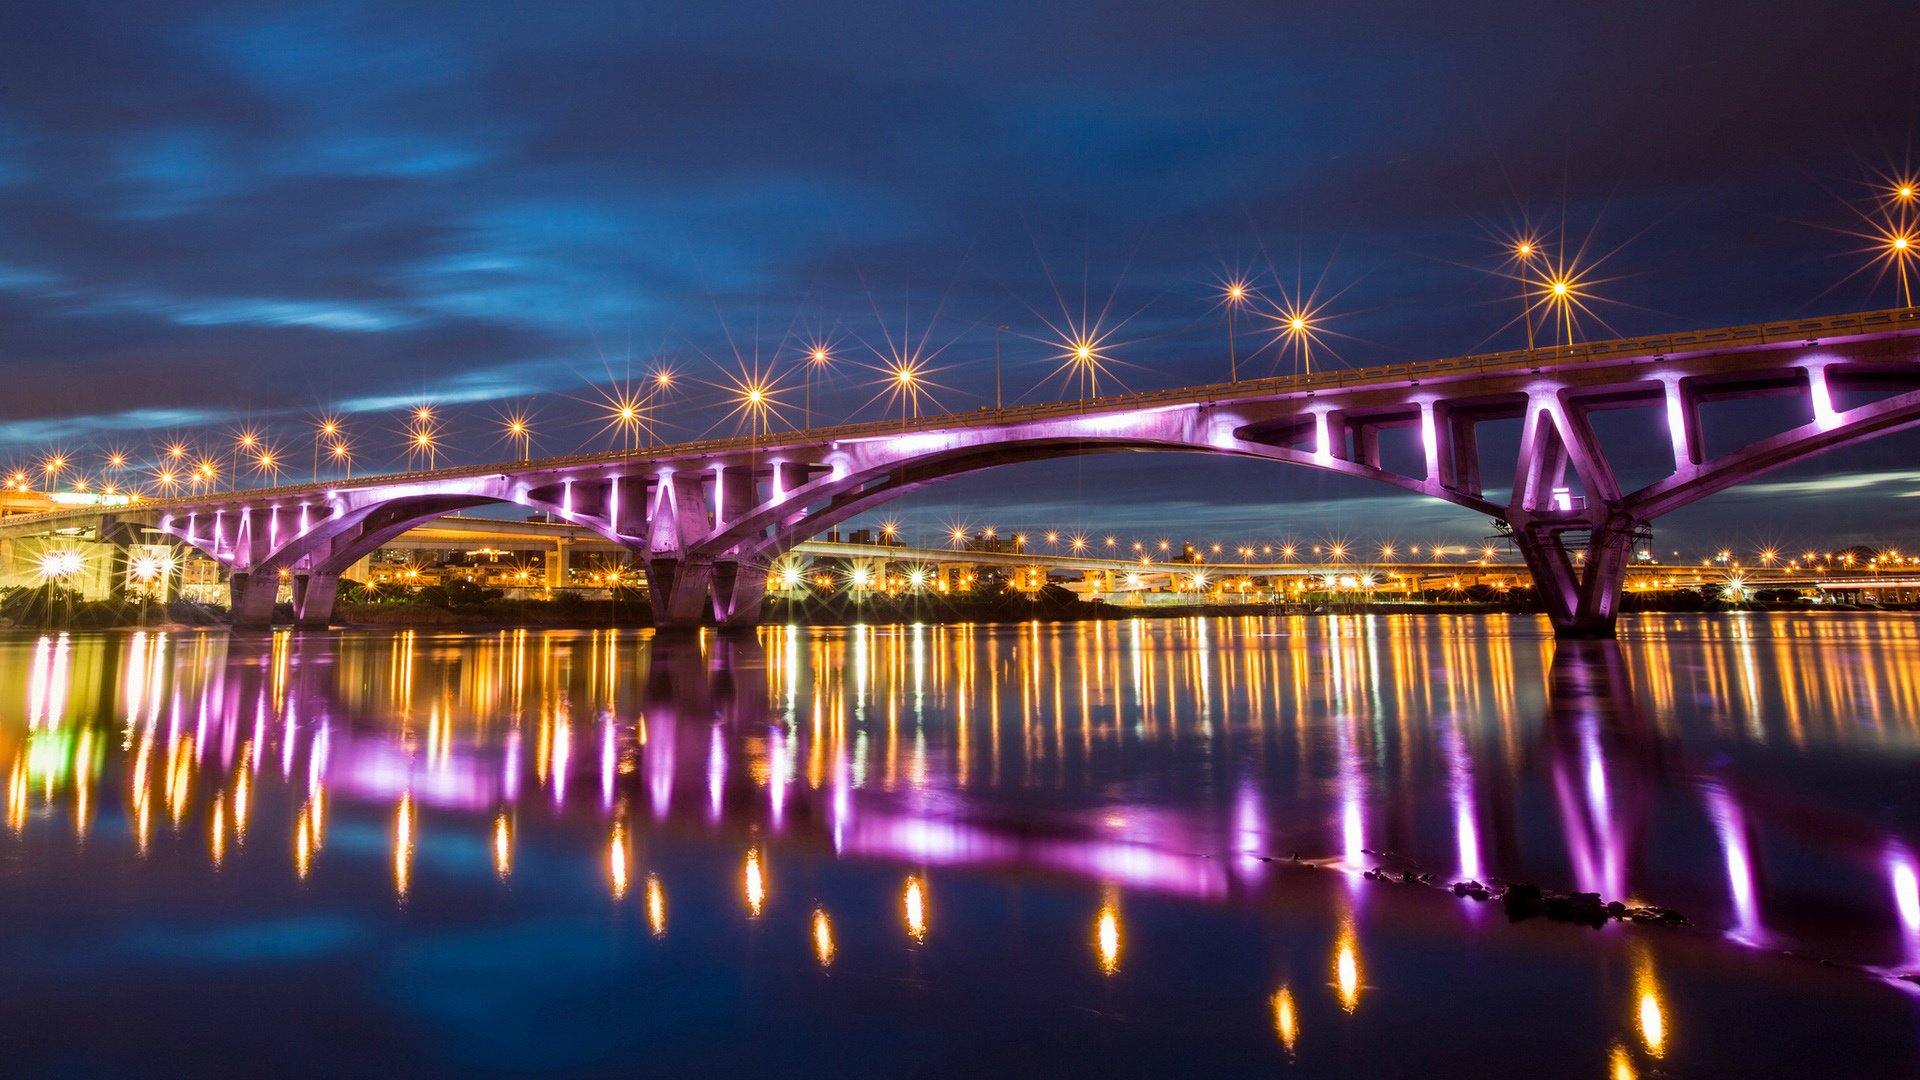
<point>660,769</point>
<point>1906,896</point>
<point>945,842</point>
<point>380,771</point>
<point>1731,826</point>
<point>716,769</point>
<point>1460,788</point>
<point>1249,828</point>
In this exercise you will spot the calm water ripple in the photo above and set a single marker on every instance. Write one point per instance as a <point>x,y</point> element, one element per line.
<point>1114,849</point>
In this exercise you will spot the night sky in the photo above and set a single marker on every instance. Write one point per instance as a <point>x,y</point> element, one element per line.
<point>214,214</point>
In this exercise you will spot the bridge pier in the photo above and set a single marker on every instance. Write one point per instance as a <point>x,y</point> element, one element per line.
<point>1582,603</point>
<point>313,599</point>
<point>251,598</point>
<point>739,592</point>
<point>679,590</point>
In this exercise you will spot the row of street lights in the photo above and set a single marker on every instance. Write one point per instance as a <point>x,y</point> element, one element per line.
<point>1555,289</point>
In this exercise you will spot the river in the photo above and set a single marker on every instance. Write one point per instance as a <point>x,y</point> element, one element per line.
<point>1132,848</point>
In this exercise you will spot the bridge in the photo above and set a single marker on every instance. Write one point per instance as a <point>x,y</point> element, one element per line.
<point>707,518</point>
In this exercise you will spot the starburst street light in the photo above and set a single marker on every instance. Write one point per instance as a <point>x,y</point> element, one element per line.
<point>423,443</point>
<point>266,463</point>
<point>1899,245</point>
<point>818,359</point>
<point>623,414</point>
<point>1233,293</point>
<point>1523,251</point>
<point>516,428</point>
<point>245,441</point>
<point>1295,324</point>
<point>342,455</point>
<point>326,427</point>
<point>905,377</point>
<point>755,399</point>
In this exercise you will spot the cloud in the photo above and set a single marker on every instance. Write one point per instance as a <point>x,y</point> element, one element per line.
<point>218,211</point>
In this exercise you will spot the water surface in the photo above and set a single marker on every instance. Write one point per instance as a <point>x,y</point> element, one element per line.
<point>1110,849</point>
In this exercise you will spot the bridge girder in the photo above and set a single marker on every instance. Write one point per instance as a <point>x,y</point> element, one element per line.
<point>709,518</point>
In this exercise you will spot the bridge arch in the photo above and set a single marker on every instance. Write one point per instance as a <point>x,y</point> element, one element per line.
<point>854,488</point>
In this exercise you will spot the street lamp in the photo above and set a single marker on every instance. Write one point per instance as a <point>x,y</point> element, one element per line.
<point>247,439</point>
<point>1233,296</point>
<point>326,427</point>
<point>1523,254</point>
<point>817,359</point>
<point>996,365</point>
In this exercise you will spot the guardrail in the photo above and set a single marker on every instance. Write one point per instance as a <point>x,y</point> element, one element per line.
<point>1798,331</point>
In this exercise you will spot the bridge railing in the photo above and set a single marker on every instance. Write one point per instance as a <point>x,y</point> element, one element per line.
<point>1780,332</point>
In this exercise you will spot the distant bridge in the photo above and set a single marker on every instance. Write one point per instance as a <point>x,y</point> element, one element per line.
<point>709,517</point>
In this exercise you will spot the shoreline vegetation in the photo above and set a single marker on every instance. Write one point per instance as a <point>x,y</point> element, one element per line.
<point>43,608</point>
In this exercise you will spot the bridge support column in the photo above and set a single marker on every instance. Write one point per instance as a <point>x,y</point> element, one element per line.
<point>251,598</point>
<point>313,599</point>
<point>739,592</point>
<point>679,590</point>
<point>1582,602</point>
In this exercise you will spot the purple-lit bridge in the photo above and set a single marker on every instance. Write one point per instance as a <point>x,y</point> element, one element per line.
<point>708,518</point>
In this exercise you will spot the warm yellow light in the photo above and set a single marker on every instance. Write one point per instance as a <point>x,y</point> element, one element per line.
<point>914,903</point>
<point>617,861</point>
<point>1286,1020</point>
<point>1560,288</point>
<point>1106,937</point>
<point>1296,324</point>
<point>1523,249</point>
<point>1346,973</point>
<point>822,937</point>
<point>1901,243</point>
<point>1653,1023</point>
<point>502,846</point>
<point>1083,352</point>
<point>656,906</point>
<point>755,882</point>
<point>819,356</point>
<point>403,840</point>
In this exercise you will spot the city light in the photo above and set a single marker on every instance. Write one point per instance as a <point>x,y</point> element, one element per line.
<point>914,908</point>
<point>1106,936</point>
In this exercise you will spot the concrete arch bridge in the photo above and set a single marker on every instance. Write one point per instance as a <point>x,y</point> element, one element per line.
<point>709,517</point>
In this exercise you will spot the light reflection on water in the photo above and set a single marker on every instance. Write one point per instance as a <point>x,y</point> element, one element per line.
<point>1723,766</point>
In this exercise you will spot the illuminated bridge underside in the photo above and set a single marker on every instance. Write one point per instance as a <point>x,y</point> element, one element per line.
<point>709,518</point>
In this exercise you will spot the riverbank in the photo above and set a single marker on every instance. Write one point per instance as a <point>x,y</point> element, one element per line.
<point>33,613</point>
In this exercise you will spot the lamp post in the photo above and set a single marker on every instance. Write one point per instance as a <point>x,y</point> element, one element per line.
<point>1235,295</point>
<point>996,365</point>
<point>1523,252</point>
<point>818,358</point>
<point>328,428</point>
